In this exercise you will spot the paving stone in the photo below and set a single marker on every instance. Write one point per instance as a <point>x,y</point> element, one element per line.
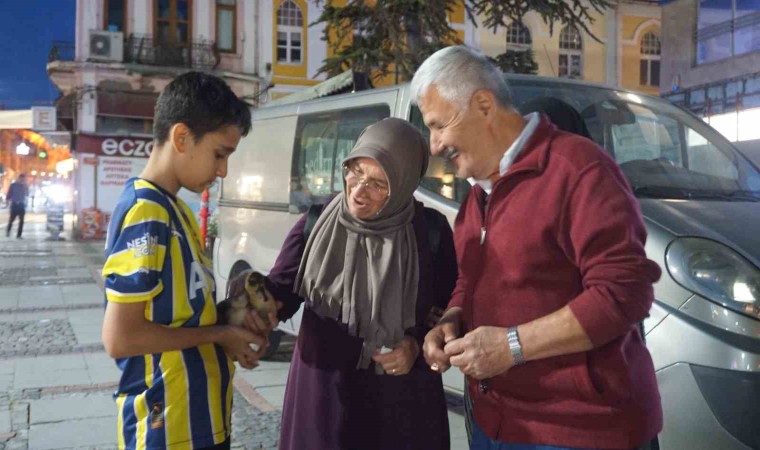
<point>5,421</point>
<point>26,335</point>
<point>71,407</point>
<point>83,433</point>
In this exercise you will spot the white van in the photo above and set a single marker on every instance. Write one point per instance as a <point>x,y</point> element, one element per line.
<point>699,196</point>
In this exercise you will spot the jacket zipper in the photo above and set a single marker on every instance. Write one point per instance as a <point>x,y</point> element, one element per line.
<point>483,217</point>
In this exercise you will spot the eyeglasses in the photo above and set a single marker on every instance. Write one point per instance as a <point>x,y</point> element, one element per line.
<point>354,180</point>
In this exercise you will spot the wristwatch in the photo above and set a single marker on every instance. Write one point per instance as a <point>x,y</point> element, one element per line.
<point>514,346</point>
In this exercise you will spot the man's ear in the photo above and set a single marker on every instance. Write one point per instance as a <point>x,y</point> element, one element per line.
<point>180,136</point>
<point>483,102</point>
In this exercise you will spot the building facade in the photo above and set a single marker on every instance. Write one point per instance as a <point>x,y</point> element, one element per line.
<point>125,53</point>
<point>294,51</point>
<point>625,54</point>
<point>711,54</point>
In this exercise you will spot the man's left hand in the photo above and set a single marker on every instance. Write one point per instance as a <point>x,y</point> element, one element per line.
<point>482,353</point>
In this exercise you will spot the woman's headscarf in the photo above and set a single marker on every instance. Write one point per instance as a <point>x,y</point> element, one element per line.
<point>365,272</point>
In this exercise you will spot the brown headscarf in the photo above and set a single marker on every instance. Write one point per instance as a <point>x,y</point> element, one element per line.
<point>365,272</point>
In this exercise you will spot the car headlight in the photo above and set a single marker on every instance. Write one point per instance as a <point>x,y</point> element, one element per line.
<point>716,272</point>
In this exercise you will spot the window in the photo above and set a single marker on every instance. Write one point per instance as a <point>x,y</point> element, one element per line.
<point>518,37</point>
<point>727,28</point>
<point>289,33</point>
<point>322,141</point>
<point>123,125</point>
<point>172,25</point>
<point>115,15</point>
<point>226,25</point>
<point>650,60</point>
<point>570,53</point>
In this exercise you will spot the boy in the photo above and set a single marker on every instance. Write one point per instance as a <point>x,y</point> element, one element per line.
<point>175,390</point>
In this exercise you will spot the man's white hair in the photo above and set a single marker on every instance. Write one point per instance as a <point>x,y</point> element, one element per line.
<point>457,72</point>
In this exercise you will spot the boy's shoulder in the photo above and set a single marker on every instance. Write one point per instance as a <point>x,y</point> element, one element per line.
<point>138,191</point>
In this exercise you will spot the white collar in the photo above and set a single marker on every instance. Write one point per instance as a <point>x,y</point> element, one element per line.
<point>511,154</point>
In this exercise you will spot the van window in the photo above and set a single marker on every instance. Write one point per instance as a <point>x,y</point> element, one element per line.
<point>663,151</point>
<point>322,141</point>
<point>440,177</point>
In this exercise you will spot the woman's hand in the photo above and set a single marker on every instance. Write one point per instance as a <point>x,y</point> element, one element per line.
<point>400,360</point>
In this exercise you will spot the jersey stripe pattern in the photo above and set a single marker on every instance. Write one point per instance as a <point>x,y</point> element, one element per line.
<point>176,399</point>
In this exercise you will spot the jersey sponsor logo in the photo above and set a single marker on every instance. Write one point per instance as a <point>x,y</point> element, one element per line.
<point>157,416</point>
<point>145,245</point>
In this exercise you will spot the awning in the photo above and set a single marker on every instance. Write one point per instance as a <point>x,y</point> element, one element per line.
<point>323,89</point>
<point>16,119</point>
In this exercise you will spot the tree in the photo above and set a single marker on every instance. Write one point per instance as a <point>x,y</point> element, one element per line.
<point>517,61</point>
<point>384,36</point>
<point>395,36</point>
<point>499,13</point>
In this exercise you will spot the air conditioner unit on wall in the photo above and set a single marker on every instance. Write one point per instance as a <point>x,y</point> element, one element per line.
<point>106,46</point>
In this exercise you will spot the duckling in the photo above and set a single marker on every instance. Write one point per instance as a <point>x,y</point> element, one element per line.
<point>255,297</point>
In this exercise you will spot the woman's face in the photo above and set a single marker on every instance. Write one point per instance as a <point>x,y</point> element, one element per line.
<point>367,188</point>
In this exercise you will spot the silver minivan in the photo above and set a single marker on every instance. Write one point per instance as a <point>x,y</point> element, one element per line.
<point>699,196</point>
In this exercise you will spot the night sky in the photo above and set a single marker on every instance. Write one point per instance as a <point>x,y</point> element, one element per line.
<point>27,29</point>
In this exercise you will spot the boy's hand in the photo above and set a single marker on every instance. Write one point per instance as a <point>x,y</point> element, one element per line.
<point>243,346</point>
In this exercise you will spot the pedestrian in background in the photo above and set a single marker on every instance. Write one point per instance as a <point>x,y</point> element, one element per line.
<point>160,321</point>
<point>17,194</point>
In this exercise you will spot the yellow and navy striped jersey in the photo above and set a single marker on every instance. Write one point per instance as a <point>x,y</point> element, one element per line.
<point>177,399</point>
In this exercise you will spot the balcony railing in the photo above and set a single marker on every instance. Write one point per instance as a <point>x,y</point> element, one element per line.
<point>139,49</point>
<point>61,51</point>
<point>146,50</point>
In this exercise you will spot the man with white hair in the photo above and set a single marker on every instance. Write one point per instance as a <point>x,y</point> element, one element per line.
<point>553,277</point>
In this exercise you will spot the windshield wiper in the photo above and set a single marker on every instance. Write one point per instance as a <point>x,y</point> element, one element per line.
<point>660,192</point>
<point>742,196</point>
<point>666,192</point>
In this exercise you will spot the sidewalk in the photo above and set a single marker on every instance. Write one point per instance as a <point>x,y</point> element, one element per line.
<point>55,379</point>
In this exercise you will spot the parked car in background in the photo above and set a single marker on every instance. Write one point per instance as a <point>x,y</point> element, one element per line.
<point>700,199</point>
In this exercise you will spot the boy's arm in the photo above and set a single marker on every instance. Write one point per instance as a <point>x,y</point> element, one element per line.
<point>132,278</point>
<point>126,332</point>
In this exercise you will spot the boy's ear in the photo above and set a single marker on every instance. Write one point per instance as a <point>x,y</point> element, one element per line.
<point>180,136</point>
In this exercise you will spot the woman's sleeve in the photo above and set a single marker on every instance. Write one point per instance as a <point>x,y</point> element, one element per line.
<point>445,268</point>
<point>444,275</point>
<point>282,277</point>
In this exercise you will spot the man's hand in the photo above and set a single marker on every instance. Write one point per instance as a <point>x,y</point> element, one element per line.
<point>481,353</point>
<point>446,331</point>
<point>401,359</point>
<point>242,346</point>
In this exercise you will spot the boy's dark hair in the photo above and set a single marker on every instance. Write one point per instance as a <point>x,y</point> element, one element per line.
<point>201,101</point>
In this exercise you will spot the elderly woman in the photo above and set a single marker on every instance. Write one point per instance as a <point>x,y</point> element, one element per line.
<point>370,282</point>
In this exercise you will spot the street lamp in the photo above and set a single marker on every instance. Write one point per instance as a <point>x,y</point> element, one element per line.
<point>23,149</point>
